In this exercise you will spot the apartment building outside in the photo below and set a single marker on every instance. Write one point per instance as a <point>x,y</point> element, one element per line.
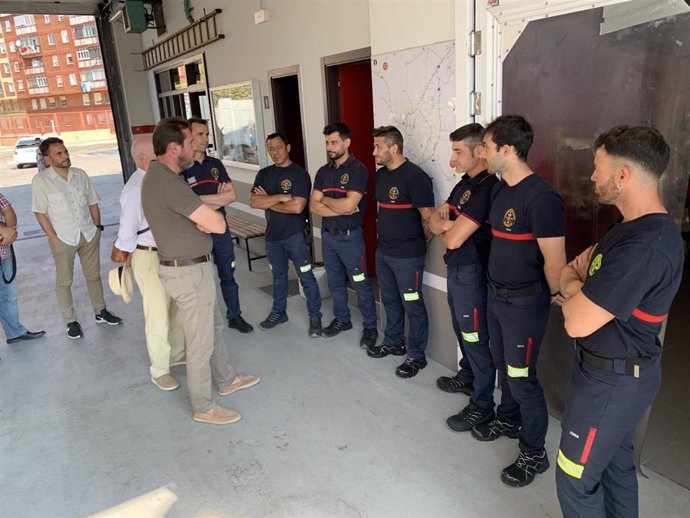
<point>52,79</point>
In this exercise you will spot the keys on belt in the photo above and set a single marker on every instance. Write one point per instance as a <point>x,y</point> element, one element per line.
<point>185,262</point>
<point>617,366</point>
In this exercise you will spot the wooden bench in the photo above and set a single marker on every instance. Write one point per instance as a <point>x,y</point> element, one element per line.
<point>242,229</point>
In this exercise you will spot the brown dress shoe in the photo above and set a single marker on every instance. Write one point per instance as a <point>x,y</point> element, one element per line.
<point>239,383</point>
<point>217,415</point>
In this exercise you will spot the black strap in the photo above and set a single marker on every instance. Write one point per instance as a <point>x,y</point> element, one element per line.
<point>14,267</point>
<point>627,367</point>
<point>140,232</point>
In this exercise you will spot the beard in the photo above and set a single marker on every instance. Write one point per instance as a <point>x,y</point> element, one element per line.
<point>184,162</point>
<point>334,155</point>
<point>608,193</point>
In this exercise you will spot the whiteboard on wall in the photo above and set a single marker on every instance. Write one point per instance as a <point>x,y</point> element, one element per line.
<point>414,90</point>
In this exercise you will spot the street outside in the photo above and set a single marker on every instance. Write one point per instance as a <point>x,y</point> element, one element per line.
<point>100,160</point>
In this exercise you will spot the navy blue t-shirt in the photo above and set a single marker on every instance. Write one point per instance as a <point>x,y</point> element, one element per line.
<point>336,182</point>
<point>634,274</point>
<point>520,215</point>
<point>471,199</point>
<point>293,180</point>
<point>399,194</point>
<point>204,177</point>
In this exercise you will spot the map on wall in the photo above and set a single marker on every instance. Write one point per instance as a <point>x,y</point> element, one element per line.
<point>414,90</point>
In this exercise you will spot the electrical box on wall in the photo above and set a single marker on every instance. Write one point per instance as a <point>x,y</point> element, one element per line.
<point>261,16</point>
<point>134,16</point>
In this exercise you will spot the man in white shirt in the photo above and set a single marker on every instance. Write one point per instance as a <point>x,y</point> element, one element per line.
<point>66,206</point>
<point>163,329</point>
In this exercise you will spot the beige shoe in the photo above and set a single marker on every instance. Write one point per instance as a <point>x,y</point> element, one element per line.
<point>217,415</point>
<point>240,382</point>
<point>181,361</point>
<point>165,382</point>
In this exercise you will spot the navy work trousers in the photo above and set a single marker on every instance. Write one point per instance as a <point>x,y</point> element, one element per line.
<point>516,327</point>
<point>400,282</point>
<point>345,260</point>
<point>596,470</point>
<point>293,248</point>
<point>224,257</point>
<point>467,300</point>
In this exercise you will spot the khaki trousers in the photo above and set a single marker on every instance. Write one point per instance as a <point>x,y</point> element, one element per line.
<point>162,325</point>
<point>89,257</point>
<point>193,288</point>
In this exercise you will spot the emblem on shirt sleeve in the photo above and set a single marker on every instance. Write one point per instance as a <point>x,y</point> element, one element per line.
<point>465,197</point>
<point>215,173</point>
<point>286,185</point>
<point>393,193</point>
<point>508,218</point>
<point>344,178</point>
<point>595,264</point>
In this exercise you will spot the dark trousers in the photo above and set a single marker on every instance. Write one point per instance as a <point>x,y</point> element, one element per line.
<point>596,470</point>
<point>516,327</point>
<point>293,248</point>
<point>467,301</point>
<point>224,257</point>
<point>400,282</point>
<point>345,260</point>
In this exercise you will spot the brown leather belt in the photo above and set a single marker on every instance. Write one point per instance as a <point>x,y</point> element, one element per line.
<point>186,262</point>
<point>148,248</point>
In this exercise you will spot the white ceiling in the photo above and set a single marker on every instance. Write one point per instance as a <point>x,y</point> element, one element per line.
<point>51,6</point>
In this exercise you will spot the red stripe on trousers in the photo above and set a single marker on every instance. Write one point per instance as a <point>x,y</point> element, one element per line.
<point>588,445</point>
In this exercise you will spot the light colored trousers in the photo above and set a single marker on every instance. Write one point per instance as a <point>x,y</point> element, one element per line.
<point>193,288</point>
<point>89,257</point>
<point>162,325</point>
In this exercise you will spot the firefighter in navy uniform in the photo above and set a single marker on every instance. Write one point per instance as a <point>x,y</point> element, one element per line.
<point>282,190</point>
<point>339,198</point>
<point>462,222</point>
<point>208,179</point>
<point>405,201</point>
<point>526,258</point>
<point>618,292</point>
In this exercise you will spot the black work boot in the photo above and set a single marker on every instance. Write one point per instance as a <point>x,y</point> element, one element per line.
<point>495,429</point>
<point>469,417</point>
<point>522,472</point>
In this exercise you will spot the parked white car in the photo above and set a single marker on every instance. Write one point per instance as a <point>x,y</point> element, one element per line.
<point>25,152</point>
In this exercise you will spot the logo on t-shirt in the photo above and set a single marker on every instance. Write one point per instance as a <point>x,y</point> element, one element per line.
<point>509,218</point>
<point>215,173</point>
<point>596,264</point>
<point>286,185</point>
<point>465,197</point>
<point>393,193</point>
<point>344,178</point>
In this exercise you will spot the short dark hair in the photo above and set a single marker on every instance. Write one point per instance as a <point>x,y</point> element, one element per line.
<point>339,127</point>
<point>168,131</point>
<point>197,120</point>
<point>278,135</point>
<point>472,133</point>
<point>643,145</point>
<point>45,144</point>
<point>512,130</point>
<point>391,135</point>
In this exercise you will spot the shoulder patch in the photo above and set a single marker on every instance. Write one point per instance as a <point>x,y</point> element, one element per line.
<point>344,178</point>
<point>596,264</point>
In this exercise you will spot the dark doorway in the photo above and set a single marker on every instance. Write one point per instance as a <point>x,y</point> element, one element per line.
<point>288,114</point>
<point>349,98</point>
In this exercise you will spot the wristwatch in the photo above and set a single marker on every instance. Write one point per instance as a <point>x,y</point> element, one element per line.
<point>100,227</point>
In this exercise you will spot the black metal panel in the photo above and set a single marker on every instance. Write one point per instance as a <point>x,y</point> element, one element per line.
<point>572,83</point>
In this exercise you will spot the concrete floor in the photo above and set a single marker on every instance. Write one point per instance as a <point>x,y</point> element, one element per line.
<point>328,432</point>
